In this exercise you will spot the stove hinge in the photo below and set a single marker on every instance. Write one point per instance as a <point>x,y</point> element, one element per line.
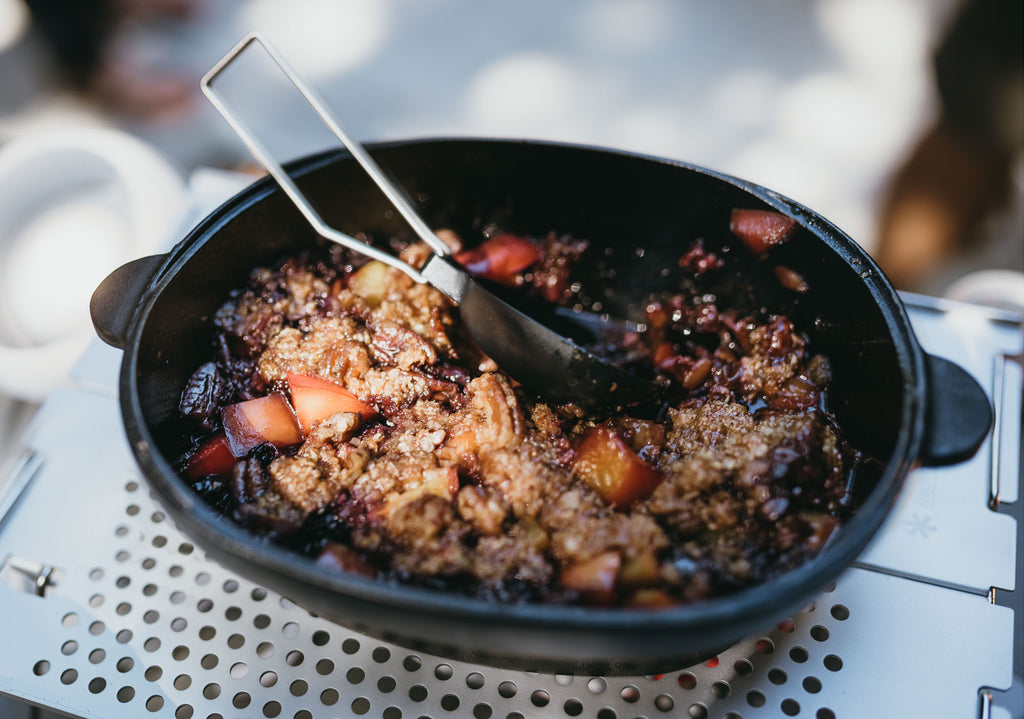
<point>29,576</point>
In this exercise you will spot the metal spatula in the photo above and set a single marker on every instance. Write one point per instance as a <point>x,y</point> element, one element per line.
<point>540,359</point>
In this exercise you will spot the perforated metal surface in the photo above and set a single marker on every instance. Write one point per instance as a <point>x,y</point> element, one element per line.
<point>166,632</point>
<point>134,621</point>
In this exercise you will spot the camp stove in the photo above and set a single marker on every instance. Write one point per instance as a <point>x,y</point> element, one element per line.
<point>107,610</point>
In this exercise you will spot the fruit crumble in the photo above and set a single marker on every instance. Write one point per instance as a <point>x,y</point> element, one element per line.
<point>345,414</point>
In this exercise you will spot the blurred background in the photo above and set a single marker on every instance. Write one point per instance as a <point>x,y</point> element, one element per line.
<point>899,120</point>
<point>823,100</point>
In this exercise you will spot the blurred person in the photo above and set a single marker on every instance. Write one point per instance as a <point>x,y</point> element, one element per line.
<point>961,171</point>
<point>82,35</point>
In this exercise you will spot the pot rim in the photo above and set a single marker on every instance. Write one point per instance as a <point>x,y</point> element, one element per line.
<point>775,595</point>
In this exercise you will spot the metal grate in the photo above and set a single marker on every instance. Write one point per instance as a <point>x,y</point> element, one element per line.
<point>164,631</point>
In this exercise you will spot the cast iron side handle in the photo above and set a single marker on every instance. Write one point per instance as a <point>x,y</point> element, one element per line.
<point>114,302</point>
<point>959,415</point>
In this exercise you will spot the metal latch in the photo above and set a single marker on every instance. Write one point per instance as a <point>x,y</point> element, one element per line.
<point>30,577</point>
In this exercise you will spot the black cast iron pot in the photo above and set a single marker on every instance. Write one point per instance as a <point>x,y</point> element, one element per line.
<point>894,402</point>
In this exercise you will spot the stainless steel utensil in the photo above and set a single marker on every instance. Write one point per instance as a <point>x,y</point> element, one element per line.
<point>539,358</point>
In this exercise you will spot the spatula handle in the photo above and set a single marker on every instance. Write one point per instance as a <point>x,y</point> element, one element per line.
<point>272,166</point>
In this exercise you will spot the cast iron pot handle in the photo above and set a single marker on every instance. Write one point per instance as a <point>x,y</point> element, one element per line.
<point>958,417</point>
<point>114,302</point>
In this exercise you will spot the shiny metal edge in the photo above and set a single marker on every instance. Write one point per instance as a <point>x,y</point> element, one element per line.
<point>24,468</point>
<point>941,304</point>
